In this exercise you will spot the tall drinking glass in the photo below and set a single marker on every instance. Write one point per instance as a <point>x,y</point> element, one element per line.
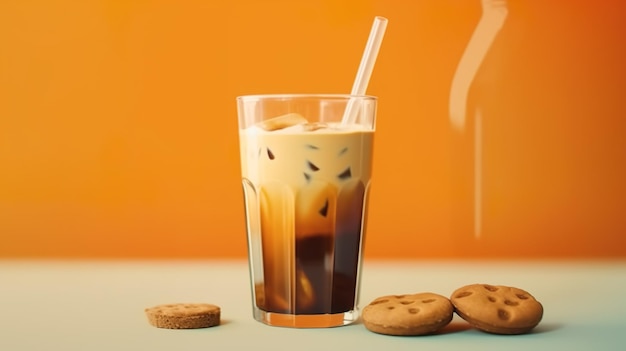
<point>306,176</point>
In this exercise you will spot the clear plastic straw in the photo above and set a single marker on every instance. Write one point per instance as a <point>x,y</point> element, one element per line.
<point>366,67</point>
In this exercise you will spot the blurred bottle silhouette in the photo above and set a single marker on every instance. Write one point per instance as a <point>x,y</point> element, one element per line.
<point>467,146</point>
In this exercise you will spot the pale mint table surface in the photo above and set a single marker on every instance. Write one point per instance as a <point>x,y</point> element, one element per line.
<point>98,305</point>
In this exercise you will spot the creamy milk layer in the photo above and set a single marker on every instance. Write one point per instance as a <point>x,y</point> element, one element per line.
<point>294,156</point>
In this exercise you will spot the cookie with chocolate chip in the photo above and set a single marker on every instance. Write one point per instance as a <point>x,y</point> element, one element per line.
<point>497,309</point>
<point>416,314</point>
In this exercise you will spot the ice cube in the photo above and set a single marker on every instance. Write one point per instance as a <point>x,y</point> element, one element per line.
<point>305,296</point>
<point>311,127</point>
<point>315,209</point>
<point>350,207</point>
<point>281,122</point>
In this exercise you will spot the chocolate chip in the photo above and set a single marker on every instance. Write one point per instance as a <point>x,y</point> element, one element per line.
<point>504,315</point>
<point>490,287</point>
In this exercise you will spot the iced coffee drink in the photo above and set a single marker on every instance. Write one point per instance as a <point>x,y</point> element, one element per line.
<point>305,180</point>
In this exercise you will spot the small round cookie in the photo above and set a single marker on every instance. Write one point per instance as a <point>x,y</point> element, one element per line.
<point>183,315</point>
<point>497,309</point>
<point>416,314</point>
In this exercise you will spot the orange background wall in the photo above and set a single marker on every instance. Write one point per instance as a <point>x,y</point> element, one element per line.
<point>118,133</point>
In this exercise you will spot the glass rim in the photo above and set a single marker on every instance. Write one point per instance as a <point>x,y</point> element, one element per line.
<point>258,97</point>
